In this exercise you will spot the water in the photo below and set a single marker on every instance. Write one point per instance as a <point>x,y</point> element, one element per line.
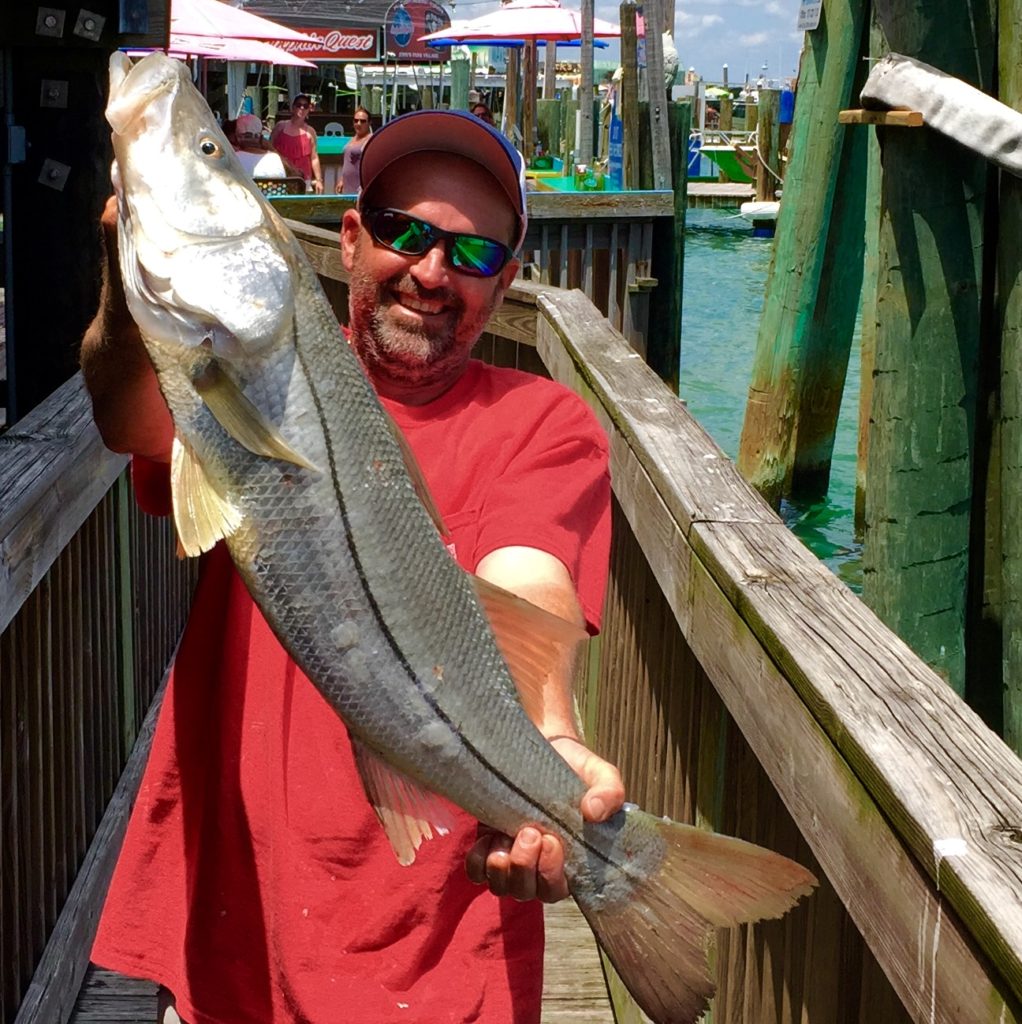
<point>725,278</point>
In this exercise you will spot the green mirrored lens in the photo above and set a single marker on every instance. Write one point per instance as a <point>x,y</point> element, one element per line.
<point>477,255</point>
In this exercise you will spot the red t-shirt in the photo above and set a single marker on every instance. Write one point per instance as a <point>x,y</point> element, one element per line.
<point>255,881</point>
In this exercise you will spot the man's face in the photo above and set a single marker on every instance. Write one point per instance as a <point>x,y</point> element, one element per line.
<point>414,319</point>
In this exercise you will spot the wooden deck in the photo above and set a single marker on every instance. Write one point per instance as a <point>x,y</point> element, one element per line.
<point>574,991</point>
<point>714,194</point>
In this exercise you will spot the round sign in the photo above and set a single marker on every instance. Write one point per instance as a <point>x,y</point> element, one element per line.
<point>401,27</point>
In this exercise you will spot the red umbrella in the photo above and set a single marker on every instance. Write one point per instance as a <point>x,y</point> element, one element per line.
<point>212,18</point>
<point>522,20</point>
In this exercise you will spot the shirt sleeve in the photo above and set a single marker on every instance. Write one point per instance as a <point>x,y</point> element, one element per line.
<point>554,494</point>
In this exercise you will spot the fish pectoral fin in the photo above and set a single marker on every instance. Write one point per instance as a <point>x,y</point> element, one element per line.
<point>531,640</point>
<point>241,419</point>
<point>202,512</point>
<point>407,812</point>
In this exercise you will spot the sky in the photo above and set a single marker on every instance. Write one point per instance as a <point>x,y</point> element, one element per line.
<point>744,34</point>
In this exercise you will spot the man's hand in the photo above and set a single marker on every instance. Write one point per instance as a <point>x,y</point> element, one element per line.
<point>532,865</point>
<point>126,400</point>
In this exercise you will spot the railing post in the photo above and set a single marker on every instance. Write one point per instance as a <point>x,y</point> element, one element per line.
<point>125,611</point>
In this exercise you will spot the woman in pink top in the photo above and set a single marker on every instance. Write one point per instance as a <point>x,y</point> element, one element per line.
<point>295,141</point>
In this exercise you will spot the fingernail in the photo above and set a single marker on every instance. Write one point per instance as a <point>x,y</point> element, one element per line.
<point>597,809</point>
<point>528,837</point>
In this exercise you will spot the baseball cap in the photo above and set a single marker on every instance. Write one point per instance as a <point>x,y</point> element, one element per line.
<point>448,131</point>
<point>248,124</point>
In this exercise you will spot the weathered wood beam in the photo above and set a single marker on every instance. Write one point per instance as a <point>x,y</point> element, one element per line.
<point>40,510</point>
<point>920,510</point>
<point>629,93</point>
<point>901,791</point>
<point>1009,293</point>
<point>882,118</point>
<point>828,69</point>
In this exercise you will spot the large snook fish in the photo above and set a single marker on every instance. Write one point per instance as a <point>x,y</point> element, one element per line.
<point>283,450</point>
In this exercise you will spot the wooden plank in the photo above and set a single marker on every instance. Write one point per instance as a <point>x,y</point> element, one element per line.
<point>108,997</point>
<point>54,471</point>
<point>58,977</point>
<point>886,118</point>
<point>854,731</point>
<point>574,991</point>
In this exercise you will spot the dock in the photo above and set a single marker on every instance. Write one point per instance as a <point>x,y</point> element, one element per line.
<point>713,194</point>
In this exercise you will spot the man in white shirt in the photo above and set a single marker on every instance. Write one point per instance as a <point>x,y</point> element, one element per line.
<point>257,159</point>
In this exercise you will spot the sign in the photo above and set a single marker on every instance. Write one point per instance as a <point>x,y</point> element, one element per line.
<point>334,44</point>
<point>809,15</point>
<point>616,149</point>
<point>407,20</point>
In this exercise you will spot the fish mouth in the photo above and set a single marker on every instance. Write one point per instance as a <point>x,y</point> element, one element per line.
<point>134,87</point>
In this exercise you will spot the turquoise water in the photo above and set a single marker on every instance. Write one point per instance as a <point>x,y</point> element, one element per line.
<point>725,277</point>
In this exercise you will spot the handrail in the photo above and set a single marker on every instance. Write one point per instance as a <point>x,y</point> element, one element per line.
<point>42,506</point>
<point>910,803</point>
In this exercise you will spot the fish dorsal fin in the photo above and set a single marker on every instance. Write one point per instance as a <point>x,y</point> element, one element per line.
<point>418,479</point>
<point>407,812</point>
<point>240,418</point>
<point>530,639</point>
<point>202,512</point>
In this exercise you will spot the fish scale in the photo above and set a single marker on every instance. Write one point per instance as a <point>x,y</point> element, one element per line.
<point>282,448</point>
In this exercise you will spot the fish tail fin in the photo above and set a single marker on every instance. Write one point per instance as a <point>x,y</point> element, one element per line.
<point>658,935</point>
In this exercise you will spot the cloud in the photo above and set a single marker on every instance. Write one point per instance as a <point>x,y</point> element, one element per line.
<point>753,39</point>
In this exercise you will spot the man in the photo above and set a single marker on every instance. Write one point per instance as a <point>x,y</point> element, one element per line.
<point>257,159</point>
<point>255,884</point>
<point>353,152</point>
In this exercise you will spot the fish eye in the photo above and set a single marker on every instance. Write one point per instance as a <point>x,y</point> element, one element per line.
<point>209,147</point>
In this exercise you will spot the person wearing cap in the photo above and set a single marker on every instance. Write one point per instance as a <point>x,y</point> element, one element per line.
<point>252,151</point>
<point>255,883</point>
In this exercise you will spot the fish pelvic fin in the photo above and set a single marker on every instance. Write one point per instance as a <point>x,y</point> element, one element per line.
<point>529,638</point>
<point>202,512</point>
<point>408,813</point>
<point>659,938</point>
<point>240,418</point>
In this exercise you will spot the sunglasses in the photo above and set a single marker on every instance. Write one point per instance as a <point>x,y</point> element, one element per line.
<point>361,120</point>
<point>301,106</point>
<point>402,233</point>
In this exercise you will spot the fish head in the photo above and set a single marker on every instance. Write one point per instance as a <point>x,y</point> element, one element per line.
<point>203,257</point>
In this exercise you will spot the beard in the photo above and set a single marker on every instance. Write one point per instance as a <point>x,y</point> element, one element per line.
<point>406,354</point>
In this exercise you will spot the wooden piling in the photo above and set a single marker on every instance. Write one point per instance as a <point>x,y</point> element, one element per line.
<point>663,352</point>
<point>629,93</point>
<point>768,166</point>
<point>919,500</point>
<point>530,70</point>
<point>1009,282</point>
<point>829,65</point>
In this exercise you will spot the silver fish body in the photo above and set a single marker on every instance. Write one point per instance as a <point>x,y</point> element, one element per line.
<point>330,536</point>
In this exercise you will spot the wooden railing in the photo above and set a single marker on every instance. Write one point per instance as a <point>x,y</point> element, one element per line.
<point>92,599</point>
<point>738,684</point>
<point>741,686</point>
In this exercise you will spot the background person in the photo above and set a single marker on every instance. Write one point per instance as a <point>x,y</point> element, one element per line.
<point>295,141</point>
<point>255,883</point>
<point>253,152</point>
<point>353,152</point>
<point>483,112</point>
